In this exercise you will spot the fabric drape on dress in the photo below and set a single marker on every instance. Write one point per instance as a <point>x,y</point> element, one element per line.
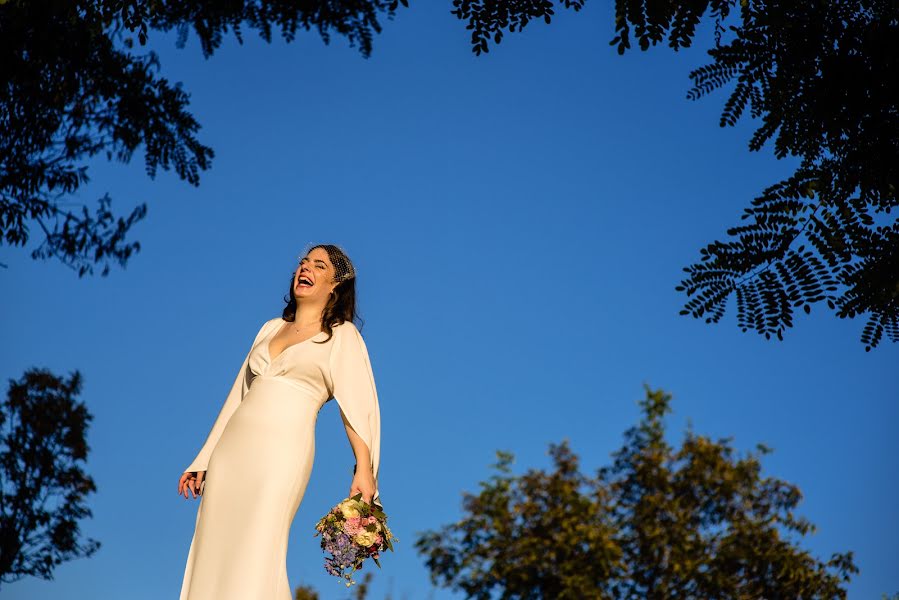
<point>353,386</point>
<point>259,455</point>
<point>232,401</point>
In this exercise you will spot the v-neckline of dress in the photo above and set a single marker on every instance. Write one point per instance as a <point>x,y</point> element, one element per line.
<point>268,343</point>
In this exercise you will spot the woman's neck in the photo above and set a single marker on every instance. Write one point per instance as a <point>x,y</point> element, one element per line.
<point>307,316</point>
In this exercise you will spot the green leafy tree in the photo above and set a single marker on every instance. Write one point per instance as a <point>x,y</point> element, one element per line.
<point>658,523</point>
<point>821,77</point>
<point>305,592</point>
<point>42,483</point>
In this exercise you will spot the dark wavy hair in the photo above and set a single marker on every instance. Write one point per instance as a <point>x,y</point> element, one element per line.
<point>341,304</point>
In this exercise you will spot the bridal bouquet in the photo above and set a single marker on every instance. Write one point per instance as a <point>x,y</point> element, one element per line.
<point>351,532</point>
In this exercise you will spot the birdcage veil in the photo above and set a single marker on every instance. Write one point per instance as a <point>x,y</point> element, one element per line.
<point>343,267</point>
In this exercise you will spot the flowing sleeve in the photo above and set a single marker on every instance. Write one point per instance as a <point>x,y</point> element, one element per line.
<point>354,389</point>
<point>232,401</point>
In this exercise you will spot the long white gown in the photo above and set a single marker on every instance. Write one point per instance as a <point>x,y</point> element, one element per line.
<point>258,459</point>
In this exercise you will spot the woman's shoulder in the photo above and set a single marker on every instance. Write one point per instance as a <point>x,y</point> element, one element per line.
<point>270,324</point>
<point>272,321</point>
<point>344,327</point>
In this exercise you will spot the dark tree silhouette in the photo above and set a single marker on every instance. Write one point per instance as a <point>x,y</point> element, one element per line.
<point>821,75</point>
<point>42,484</point>
<point>74,86</point>
<point>659,523</point>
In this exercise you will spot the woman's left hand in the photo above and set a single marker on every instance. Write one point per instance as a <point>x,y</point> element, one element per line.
<point>363,481</point>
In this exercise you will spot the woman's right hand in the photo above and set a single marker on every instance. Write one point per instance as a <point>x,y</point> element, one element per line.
<point>191,480</point>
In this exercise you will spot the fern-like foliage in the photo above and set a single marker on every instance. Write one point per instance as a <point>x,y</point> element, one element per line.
<point>838,249</point>
<point>487,19</point>
<point>821,78</point>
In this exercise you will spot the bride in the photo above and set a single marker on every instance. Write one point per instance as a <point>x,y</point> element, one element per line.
<point>251,472</point>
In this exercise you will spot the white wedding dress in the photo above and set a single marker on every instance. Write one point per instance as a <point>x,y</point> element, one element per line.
<point>258,459</point>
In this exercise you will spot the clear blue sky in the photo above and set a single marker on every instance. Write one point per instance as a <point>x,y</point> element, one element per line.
<point>519,221</point>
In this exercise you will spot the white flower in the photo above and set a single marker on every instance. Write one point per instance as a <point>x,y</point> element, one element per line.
<point>349,510</point>
<point>366,538</point>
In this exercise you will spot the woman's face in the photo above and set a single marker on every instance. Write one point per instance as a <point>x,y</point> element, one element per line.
<point>314,277</point>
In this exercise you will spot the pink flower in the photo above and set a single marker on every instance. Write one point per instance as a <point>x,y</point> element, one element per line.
<point>353,525</point>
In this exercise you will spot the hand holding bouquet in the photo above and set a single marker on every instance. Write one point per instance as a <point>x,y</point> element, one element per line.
<point>351,532</point>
